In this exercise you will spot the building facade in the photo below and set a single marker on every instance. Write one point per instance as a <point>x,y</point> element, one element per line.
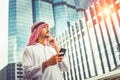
<point>12,71</point>
<point>20,21</point>
<point>93,43</point>
<point>42,10</point>
<point>64,11</point>
<point>3,73</point>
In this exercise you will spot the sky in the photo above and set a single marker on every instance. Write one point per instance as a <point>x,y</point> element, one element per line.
<point>3,33</point>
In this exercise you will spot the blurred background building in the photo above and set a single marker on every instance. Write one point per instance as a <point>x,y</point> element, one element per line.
<point>93,43</point>
<point>13,71</point>
<point>89,29</point>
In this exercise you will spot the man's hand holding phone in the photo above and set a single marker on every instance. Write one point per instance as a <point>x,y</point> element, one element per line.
<point>62,52</point>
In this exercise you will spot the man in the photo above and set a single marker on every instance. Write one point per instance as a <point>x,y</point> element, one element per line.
<point>41,62</point>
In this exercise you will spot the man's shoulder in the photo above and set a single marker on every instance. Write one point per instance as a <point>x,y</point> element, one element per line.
<point>29,47</point>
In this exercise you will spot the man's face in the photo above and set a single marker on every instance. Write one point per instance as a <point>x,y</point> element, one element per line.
<point>45,32</point>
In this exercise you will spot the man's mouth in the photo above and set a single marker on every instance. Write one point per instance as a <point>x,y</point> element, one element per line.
<point>48,32</point>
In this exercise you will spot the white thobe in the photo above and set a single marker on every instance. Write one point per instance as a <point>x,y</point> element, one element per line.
<point>34,56</point>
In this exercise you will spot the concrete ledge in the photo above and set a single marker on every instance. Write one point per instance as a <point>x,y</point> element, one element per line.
<point>112,75</point>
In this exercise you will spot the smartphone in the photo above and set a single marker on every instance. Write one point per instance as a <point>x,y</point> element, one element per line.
<point>63,50</point>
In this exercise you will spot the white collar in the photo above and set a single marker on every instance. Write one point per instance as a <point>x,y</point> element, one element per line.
<point>38,44</point>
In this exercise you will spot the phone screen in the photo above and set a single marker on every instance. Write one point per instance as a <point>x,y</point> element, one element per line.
<point>63,50</point>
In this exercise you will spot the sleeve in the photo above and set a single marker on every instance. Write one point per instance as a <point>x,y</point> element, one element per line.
<point>64,65</point>
<point>30,71</point>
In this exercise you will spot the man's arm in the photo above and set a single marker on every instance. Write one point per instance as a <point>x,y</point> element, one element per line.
<point>53,42</point>
<point>64,64</point>
<point>29,70</point>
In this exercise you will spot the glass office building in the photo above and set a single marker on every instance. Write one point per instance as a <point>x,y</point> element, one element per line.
<point>64,11</point>
<point>93,43</point>
<point>82,5</point>
<point>68,11</point>
<point>20,21</point>
<point>43,11</point>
